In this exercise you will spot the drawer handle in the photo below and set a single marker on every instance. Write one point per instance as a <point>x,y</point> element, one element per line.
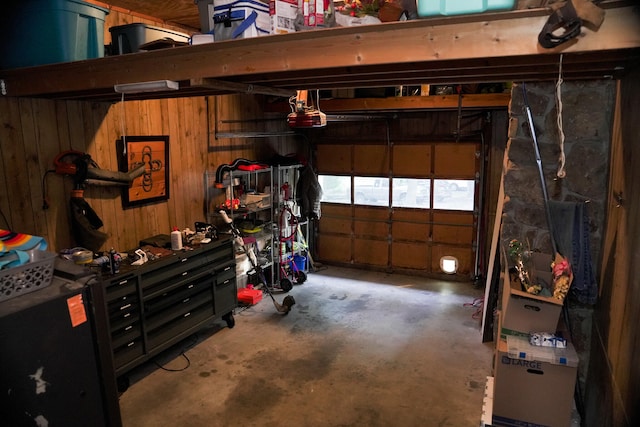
<point>227,269</point>
<point>187,314</point>
<point>185,273</point>
<point>128,328</point>
<point>131,343</point>
<point>124,282</point>
<point>124,307</point>
<point>185,300</point>
<point>226,281</point>
<point>183,259</point>
<point>190,286</point>
<point>127,315</point>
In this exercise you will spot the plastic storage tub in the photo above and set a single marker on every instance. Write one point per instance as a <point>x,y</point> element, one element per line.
<point>37,32</point>
<point>461,7</point>
<point>128,38</point>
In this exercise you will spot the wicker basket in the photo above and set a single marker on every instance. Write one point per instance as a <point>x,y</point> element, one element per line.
<point>29,277</point>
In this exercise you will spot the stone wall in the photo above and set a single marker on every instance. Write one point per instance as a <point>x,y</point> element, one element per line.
<point>587,112</point>
<point>586,116</point>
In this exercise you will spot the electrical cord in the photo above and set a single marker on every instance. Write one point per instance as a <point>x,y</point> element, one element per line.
<point>183,354</point>
<point>478,303</point>
<point>45,197</point>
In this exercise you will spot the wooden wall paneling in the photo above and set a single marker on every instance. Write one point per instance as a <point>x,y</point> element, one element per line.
<point>120,225</point>
<point>31,135</point>
<point>409,255</point>
<point>334,159</point>
<point>455,160</point>
<point>103,199</point>
<point>14,168</point>
<point>623,311</point>
<point>200,134</point>
<point>411,160</point>
<point>371,159</point>
<point>195,164</point>
<point>46,148</point>
<point>58,186</point>
<point>179,165</point>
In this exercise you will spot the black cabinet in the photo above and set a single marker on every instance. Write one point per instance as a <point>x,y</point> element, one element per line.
<point>52,373</point>
<point>149,308</point>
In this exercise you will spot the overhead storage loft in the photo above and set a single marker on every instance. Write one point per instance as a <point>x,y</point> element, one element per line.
<point>493,47</point>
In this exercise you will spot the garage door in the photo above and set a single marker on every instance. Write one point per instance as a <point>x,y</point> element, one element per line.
<point>401,206</point>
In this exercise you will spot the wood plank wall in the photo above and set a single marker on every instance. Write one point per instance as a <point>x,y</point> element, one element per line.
<point>34,131</point>
<point>613,391</point>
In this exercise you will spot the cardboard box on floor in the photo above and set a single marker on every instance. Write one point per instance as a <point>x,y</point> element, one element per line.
<point>533,386</point>
<point>522,312</point>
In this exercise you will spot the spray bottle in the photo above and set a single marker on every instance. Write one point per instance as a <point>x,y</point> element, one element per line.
<point>176,239</point>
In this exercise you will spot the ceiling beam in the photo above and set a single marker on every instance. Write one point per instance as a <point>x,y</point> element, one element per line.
<point>247,88</point>
<point>435,48</point>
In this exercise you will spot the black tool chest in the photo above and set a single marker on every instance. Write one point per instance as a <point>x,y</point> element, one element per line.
<point>147,309</point>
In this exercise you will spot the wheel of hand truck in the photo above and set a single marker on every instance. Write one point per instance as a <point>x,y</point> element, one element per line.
<point>300,276</point>
<point>286,284</point>
<point>231,322</point>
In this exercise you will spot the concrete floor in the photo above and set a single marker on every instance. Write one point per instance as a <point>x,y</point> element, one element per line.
<point>358,349</point>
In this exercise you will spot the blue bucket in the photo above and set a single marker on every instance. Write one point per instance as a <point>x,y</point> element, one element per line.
<point>300,262</point>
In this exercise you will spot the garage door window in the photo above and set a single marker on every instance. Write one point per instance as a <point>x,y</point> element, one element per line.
<point>335,188</point>
<point>410,193</point>
<point>453,194</point>
<point>372,191</point>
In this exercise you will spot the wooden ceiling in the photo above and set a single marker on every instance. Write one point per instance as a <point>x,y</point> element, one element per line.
<point>185,13</point>
<point>494,47</point>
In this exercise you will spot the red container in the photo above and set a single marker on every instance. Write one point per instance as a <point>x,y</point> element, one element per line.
<point>249,296</point>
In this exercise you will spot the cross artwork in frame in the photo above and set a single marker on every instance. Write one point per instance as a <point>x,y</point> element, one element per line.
<point>153,185</point>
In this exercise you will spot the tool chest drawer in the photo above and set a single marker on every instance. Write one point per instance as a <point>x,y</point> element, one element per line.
<point>178,295</point>
<point>175,330</point>
<point>150,307</point>
<point>175,270</point>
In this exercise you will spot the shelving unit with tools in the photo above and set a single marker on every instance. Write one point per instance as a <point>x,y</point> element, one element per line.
<point>248,200</point>
<point>262,203</point>
<point>292,230</point>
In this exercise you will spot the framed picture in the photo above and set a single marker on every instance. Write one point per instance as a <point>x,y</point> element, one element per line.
<point>152,186</point>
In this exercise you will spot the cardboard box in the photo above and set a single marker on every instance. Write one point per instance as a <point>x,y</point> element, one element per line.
<point>522,312</point>
<point>282,14</point>
<point>260,200</point>
<point>533,386</point>
<point>239,19</point>
<point>312,12</point>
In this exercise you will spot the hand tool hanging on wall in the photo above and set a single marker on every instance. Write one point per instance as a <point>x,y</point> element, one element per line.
<point>84,171</point>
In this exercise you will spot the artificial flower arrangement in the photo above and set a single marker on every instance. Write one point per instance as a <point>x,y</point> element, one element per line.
<point>562,277</point>
<point>361,7</point>
<point>560,268</point>
<point>521,258</point>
